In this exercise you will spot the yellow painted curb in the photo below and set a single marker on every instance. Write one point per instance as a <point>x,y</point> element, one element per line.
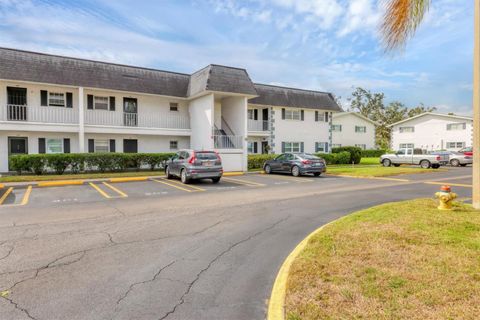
<point>368,177</point>
<point>60,183</point>
<point>449,184</point>
<point>231,174</point>
<point>128,179</point>
<point>276,304</point>
<point>2,186</point>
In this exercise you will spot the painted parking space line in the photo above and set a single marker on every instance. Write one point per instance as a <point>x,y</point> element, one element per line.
<point>178,186</point>
<point>288,178</point>
<point>103,193</point>
<point>26,196</point>
<point>244,182</point>
<point>450,184</point>
<point>120,192</point>
<point>5,195</point>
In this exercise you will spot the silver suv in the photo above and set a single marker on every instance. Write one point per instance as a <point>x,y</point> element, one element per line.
<point>193,165</point>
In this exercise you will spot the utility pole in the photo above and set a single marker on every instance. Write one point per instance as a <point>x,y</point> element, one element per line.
<point>476,109</point>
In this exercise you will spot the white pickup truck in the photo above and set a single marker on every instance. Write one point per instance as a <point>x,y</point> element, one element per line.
<point>411,156</point>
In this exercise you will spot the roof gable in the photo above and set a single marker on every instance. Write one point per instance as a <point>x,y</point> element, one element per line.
<point>434,115</point>
<point>355,114</point>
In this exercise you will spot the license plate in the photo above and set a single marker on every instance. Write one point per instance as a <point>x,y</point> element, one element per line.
<point>207,164</point>
<point>316,164</point>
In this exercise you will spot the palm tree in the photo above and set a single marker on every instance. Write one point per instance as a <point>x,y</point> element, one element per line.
<point>401,20</point>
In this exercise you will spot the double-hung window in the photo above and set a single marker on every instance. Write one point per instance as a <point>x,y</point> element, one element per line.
<point>406,129</point>
<point>102,146</point>
<point>406,145</point>
<point>173,145</point>
<point>173,106</point>
<point>336,127</point>
<point>321,147</point>
<point>292,146</point>
<point>455,145</point>
<point>456,126</point>
<point>292,114</point>
<point>326,116</point>
<point>56,99</point>
<point>100,103</point>
<point>250,147</point>
<point>54,146</point>
<point>360,129</point>
<point>250,114</point>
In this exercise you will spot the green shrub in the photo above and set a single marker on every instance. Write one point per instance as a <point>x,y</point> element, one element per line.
<point>58,162</point>
<point>373,153</point>
<point>335,158</point>
<point>19,163</point>
<point>157,160</point>
<point>256,161</point>
<point>36,163</point>
<point>355,153</point>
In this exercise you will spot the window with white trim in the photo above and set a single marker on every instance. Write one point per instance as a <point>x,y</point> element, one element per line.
<point>455,145</point>
<point>173,145</point>
<point>56,99</point>
<point>292,146</point>
<point>336,128</point>
<point>361,146</point>
<point>292,114</point>
<point>100,103</point>
<point>360,129</point>
<point>456,126</point>
<point>101,146</point>
<point>336,145</point>
<point>250,147</point>
<point>321,147</point>
<point>326,116</point>
<point>54,146</point>
<point>250,114</point>
<point>173,106</point>
<point>406,129</point>
<point>406,145</point>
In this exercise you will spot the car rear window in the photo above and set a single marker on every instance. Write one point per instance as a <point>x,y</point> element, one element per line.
<point>309,157</point>
<point>206,155</point>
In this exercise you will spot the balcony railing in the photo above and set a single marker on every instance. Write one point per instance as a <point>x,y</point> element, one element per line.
<point>258,125</point>
<point>142,120</point>
<point>228,142</point>
<point>14,112</point>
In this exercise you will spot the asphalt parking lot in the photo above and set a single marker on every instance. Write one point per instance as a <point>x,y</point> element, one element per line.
<point>161,187</point>
<point>163,250</point>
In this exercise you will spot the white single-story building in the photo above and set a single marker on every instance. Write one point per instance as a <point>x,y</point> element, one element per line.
<point>353,129</point>
<point>433,131</point>
<point>56,104</point>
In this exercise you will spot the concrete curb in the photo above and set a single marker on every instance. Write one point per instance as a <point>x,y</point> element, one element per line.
<point>276,304</point>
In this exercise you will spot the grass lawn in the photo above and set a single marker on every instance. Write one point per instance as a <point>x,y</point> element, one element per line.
<point>370,161</point>
<point>375,171</point>
<point>403,260</point>
<point>47,177</point>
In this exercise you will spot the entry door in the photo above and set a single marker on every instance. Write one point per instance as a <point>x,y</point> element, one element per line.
<point>17,145</point>
<point>130,110</point>
<point>264,147</point>
<point>265,119</point>
<point>130,146</point>
<point>16,104</point>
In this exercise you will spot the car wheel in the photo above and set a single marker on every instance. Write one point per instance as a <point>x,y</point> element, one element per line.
<point>215,180</point>
<point>425,164</point>
<point>317,174</point>
<point>183,176</point>
<point>387,163</point>
<point>267,169</point>
<point>455,162</point>
<point>435,166</point>
<point>295,171</point>
<point>167,173</point>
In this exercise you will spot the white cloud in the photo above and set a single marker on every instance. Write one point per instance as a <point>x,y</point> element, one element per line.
<point>326,12</point>
<point>361,15</point>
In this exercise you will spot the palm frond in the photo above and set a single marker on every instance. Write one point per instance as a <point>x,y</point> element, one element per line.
<point>401,20</point>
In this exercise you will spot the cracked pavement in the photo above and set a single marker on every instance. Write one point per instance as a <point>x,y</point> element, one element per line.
<point>205,256</point>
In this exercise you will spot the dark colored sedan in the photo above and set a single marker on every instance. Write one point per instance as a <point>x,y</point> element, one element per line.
<point>194,165</point>
<point>296,164</point>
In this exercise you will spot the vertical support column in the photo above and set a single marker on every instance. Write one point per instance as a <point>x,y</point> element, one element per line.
<point>81,121</point>
<point>476,109</point>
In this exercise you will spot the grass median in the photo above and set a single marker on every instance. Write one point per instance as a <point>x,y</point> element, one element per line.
<point>403,260</point>
<point>375,171</point>
<point>96,175</point>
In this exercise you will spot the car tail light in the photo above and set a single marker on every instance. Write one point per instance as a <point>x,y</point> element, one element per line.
<point>192,158</point>
<point>438,158</point>
<point>307,162</point>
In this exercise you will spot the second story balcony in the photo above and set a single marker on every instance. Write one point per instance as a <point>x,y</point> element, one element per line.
<point>25,113</point>
<point>258,125</point>
<point>141,120</point>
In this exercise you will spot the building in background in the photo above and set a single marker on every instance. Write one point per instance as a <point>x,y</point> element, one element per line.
<point>433,131</point>
<point>55,104</point>
<point>353,129</point>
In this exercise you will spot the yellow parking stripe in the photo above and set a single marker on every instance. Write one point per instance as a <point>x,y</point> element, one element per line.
<point>188,186</point>
<point>121,193</point>
<point>103,193</point>
<point>174,186</point>
<point>5,195</point>
<point>244,182</point>
<point>449,184</point>
<point>291,178</point>
<point>26,196</point>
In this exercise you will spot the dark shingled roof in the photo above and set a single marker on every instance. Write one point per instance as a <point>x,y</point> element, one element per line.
<point>296,98</point>
<point>46,68</point>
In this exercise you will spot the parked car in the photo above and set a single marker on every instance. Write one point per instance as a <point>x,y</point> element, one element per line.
<point>297,164</point>
<point>454,158</point>
<point>193,165</point>
<point>411,156</point>
<point>468,151</point>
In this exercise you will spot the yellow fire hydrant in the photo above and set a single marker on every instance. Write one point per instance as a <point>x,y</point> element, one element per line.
<point>445,196</point>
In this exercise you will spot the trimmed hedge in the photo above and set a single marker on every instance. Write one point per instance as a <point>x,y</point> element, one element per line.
<point>80,162</point>
<point>355,153</point>
<point>373,153</point>
<point>256,161</point>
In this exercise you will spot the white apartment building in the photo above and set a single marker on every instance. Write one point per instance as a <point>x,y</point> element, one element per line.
<point>55,104</point>
<point>353,129</point>
<point>433,131</point>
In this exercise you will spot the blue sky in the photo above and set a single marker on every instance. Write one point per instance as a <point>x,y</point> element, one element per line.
<point>328,45</point>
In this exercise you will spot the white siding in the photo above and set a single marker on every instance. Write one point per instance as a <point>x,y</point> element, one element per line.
<point>348,136</point>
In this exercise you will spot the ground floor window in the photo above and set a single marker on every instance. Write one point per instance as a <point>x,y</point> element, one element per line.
<point>102,146</point>
<point>292,147</point>
<point>362,146</point>
<point>54,146</point>
<point>321,147</point>
<point>173,145</point>
<point>406,145</point>
<point>252,147</point>
<point>455,145</point>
